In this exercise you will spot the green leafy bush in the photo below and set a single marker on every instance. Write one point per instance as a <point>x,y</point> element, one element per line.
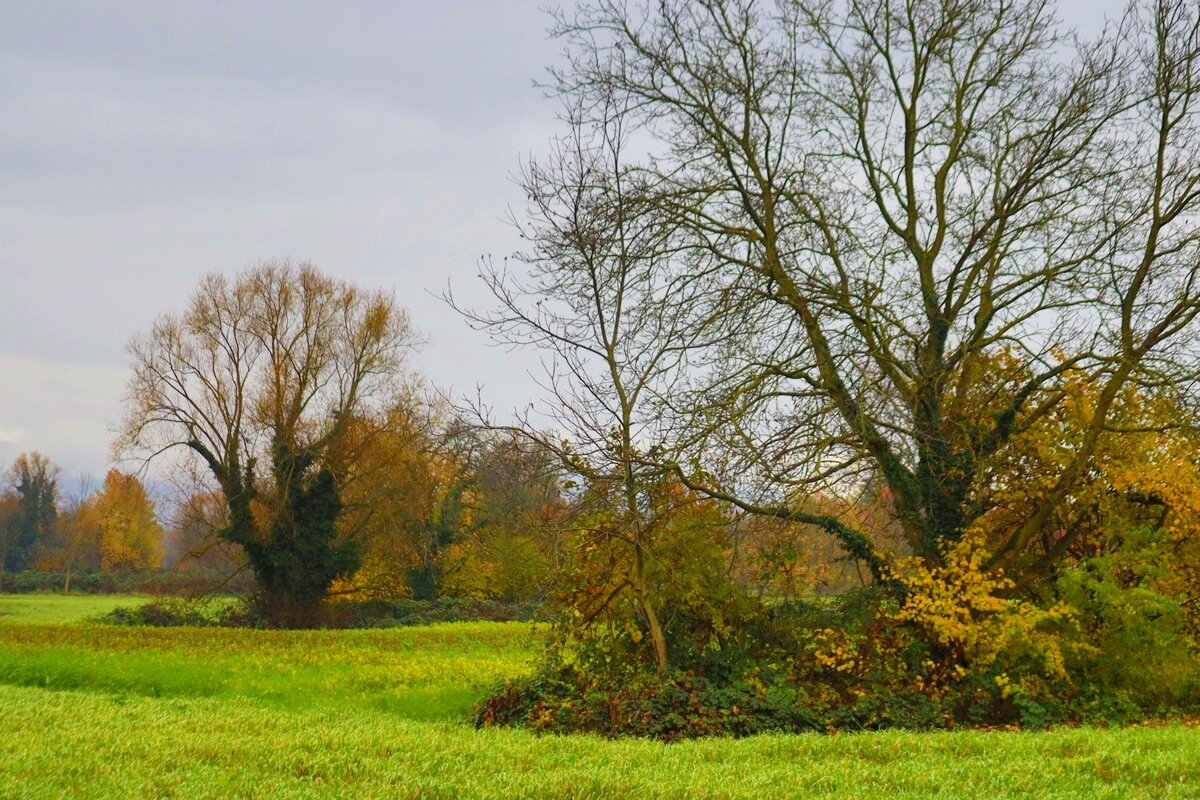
<point>855,663</point>
<point>168,613</point>
<point>1131,651</point>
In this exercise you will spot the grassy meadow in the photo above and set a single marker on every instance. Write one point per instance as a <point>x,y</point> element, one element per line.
<point>90,710</point>
<point>25,609</point>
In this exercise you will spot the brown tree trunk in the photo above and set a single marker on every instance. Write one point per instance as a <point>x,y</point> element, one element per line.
<point>657,637</point>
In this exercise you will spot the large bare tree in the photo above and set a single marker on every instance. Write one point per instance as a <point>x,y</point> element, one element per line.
<point>877,202</point>
<point>258,379</point>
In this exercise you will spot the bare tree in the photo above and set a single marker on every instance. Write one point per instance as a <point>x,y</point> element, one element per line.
<point>258,379</point>
<point>589,292</point>
<point>873,199</point>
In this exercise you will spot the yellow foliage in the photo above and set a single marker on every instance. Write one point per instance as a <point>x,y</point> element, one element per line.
<point>962,608</point>
<point>130,537</point>
<point>834,650</point>
<point>1144,472</point>
<point>379,578</point>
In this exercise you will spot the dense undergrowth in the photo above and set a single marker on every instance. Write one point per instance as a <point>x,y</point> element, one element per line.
<point>863,661</point>
<point>229,612</point>
<point>183,583</point>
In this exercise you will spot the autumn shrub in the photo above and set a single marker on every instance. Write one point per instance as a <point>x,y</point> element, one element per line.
<point>166,613</point>
<point>808,679</point>
<point>782,669</point>
<point>959,648</point>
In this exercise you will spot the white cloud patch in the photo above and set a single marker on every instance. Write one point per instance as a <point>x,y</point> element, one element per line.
<point>11,435</point>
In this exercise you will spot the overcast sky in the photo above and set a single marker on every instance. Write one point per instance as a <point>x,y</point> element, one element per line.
<point>144,144</point>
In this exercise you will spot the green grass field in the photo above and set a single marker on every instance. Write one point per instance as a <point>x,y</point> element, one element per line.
<point>23,609</point>
<point>88,710</point>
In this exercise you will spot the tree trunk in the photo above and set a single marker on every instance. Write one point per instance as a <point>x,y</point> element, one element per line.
<point>285,611</point>
<point>657,638</point>
<point>656,633</point>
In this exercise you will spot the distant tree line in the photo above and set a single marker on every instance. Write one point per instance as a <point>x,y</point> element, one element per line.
<point>113,529</point>
<point>299,450</point>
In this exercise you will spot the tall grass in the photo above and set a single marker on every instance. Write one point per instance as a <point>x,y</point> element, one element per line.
<point>433,672</point>
<point>86,745</point>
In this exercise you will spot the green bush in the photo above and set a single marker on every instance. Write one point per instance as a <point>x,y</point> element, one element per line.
<point>1131,650</point>
<point>847,663</point>
<point>168,613</point>
<point>346,614</point>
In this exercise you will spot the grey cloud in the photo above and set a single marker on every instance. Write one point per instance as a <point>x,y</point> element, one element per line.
<point>146,143</point>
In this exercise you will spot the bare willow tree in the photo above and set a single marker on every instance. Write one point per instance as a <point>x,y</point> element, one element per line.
<point>589,292</point>
<point>878,199</point>
<point>258,379</point>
